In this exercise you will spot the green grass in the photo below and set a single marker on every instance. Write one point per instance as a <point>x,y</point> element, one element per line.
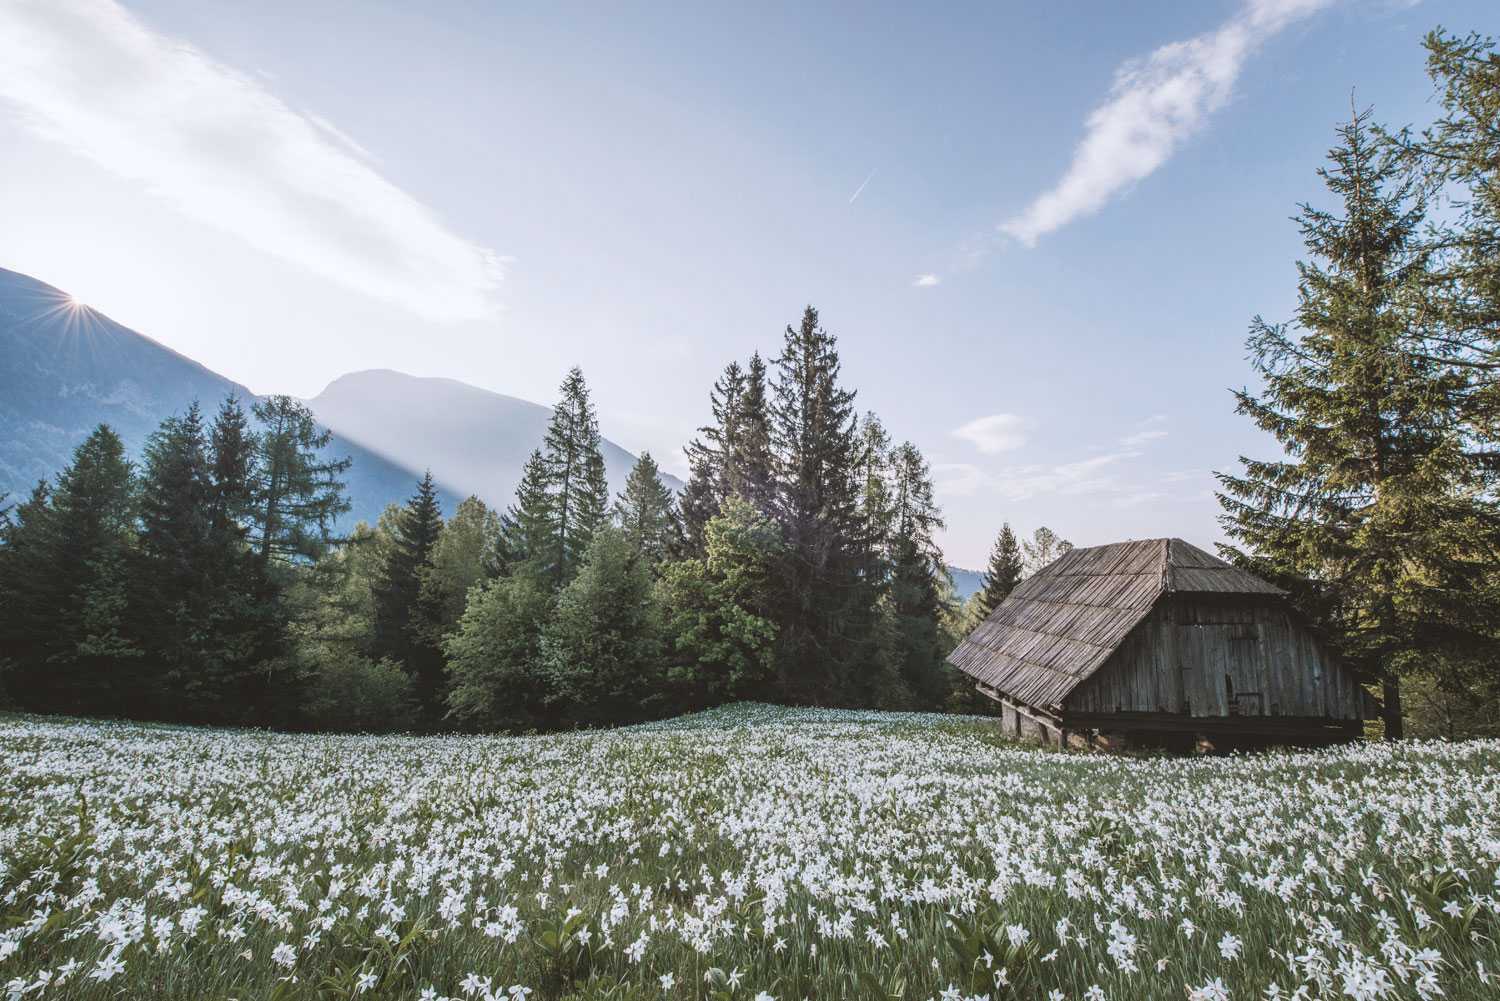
<point>744,851</point>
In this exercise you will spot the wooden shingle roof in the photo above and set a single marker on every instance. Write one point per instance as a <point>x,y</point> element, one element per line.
<point>1061,624</point>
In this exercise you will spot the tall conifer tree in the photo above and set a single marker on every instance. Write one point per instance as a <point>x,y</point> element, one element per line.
<point>827,618</point>
<point>1363,515</point>
<point>403,621</point>
<point>298,492</point>
<point>1004,571</point>
<point>576,480</point>
<point>646,513</point>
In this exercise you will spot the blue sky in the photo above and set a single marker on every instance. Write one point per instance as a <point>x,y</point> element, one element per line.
<point>1040,231</point>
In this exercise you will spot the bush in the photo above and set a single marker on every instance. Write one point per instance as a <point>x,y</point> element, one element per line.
<point>346,691</point>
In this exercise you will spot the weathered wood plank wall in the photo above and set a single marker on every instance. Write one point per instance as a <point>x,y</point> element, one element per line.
<point>1204,656</point>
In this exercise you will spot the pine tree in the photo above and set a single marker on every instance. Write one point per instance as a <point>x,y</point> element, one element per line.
<point>827,616</point>
<point>1366,517</point>
<point>404,623</point>
<point>575,476</point>
<point>26,596</point>
<point>646,513</point>
<point>1004,572</point>
<point>876,501</point>
<point>297,493</point>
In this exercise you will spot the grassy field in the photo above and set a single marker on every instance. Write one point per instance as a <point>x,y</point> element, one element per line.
<point>745,853</point>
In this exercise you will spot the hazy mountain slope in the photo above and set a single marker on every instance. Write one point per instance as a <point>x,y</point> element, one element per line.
<point>64,368</point>
<point>966,582</point>
<point>473,440</point>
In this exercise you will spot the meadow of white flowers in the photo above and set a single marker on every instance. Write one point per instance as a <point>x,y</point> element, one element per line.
<point>748,853</point>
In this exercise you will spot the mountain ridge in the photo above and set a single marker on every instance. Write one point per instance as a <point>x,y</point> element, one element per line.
<point>70,367</point>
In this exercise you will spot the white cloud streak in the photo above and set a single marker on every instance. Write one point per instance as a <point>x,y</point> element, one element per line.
<point>220,148</point>
<point>995,433</point>
<point>926,280</point>
<point>861,189</point>
<point>1155,104</point>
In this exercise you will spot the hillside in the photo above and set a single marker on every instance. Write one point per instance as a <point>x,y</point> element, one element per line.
<point>473,440</point>
<point>68,367</point>
<point>748,852</point>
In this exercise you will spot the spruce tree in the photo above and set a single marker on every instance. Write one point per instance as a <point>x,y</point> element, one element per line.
<point>646,513</point>
<point>754,466</point>
<point>249,631</point>
<point>575,474</point>
<point>1366,516</point>
<point>918,579</point>
<point>827,616</point>
<point>26,596</point>
<point>711,457</point>
<point>1005,570</point>
<point>527,531</point>
<point>173,605</point>
<point>403,621</point>
<point>85,658</point>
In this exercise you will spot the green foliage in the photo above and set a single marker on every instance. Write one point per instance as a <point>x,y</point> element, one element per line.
<point>601,649</point>
<point>573,466</point>
<point>407,620</point>
<point>1042,548</point>
<point>718,609</point>
<point>646,513</point>
<point>295,492</point>
<point>465,554</point>
<point>346,691</point>
<point>494,663</point>
<point>67,562</point>
<point>1374,516</point>
<point>1004,572</point>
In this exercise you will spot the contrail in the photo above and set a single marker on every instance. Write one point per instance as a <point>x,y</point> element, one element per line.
<point>860,188</point>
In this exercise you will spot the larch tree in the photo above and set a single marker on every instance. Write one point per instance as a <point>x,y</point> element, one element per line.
<point>297,492</point>
<point>1042,548</point>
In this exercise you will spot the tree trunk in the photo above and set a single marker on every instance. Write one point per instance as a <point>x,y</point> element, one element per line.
<point>1391,694</point>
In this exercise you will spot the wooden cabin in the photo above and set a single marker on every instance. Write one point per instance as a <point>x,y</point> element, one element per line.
<point>1158,643</point>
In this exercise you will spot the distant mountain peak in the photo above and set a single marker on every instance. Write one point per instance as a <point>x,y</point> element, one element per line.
<point>65,368</point>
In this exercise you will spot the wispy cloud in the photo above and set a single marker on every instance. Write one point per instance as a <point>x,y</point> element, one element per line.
<point>1101,473</point>
<point>995,433</point>
<point>219,147</point>
<point>1141,437</point>
<point>926,280</point>
<point>1155,104</point>
<point>861,189</point>
<point>1093,475</point>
